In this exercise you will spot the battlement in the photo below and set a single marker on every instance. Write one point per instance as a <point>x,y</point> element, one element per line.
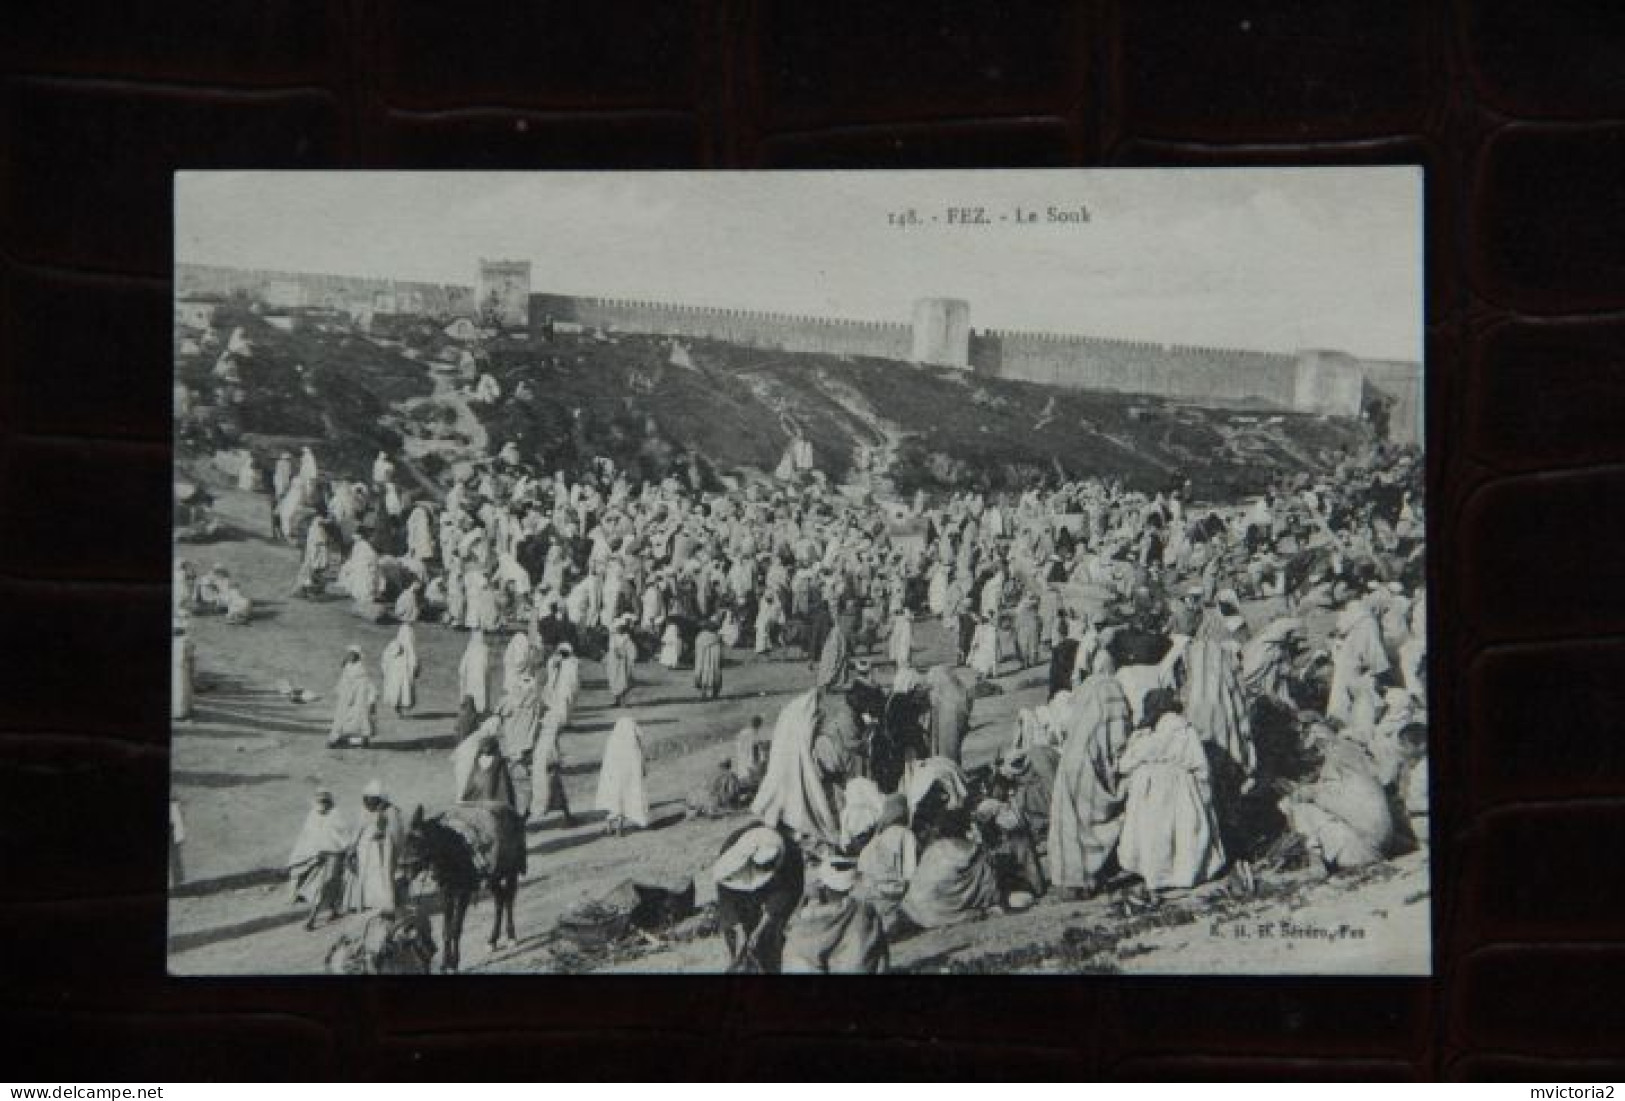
<point>780,331</point>
<point>360,296</point>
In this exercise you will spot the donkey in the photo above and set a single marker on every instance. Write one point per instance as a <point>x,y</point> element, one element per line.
<point>463,848</point>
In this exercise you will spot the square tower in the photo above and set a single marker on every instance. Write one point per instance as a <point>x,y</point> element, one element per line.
<point>942,332</point>
<point>502,293</point>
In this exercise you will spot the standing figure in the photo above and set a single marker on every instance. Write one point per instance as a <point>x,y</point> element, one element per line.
<point>983,658</point>
<point>355,702</point>
<point>1026,629</point>
<point>621,655</point>
<point>316,864</point>
<point>621,794</point>
<point>900,648</point>
<point>183,662</point>
<point>1086,805</point>
<point>950,712</point>
<point>760,875</point>
<point>400,666</point>
<point>671,645</point>
<point>547,772</point>
<point>708,662</point>
<point>379,883</point>
<point>474,673</point>
<point>1170,833</point>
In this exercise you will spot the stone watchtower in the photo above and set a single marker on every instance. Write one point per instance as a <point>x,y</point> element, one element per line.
<point>942,332</point>
<point>502,293</point>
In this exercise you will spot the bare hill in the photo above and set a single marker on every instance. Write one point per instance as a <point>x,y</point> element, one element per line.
<point>736,407</point>
<point>733,410</point>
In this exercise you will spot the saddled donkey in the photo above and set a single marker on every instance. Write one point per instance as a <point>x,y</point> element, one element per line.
<point>465,847</point>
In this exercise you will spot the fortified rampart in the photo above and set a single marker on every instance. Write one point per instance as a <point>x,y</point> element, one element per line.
<point>1314,381</point>
<point>1229,375</point>
<point>502,292</point>
<point>1399,382</point>
<point>356,295</point>
<point>941,332</point>
<point>755,328</point>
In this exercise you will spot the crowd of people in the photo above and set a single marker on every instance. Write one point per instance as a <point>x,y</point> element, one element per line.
<point>1224,687</point>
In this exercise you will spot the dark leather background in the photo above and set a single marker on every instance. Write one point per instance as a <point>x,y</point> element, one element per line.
<point>1517,111</point>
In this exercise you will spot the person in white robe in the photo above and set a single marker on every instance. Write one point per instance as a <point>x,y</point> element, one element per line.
<point>1215,704</point>
<point>582,605</point>
<point>248,474</point>
<point>379,882</point>
<point>474,588</point>
<point>359,575</point>
<point>420,542</point>
<point>316,863</point>
<point>474,673</point>
<point>1413,652</point>
<point>1170,836</point>
<point>621,794</point>
<point>769,618</point>
<point>307,465</point>
<point>653,608</point>
<point>792,790</point>
<point>1344,815</point>
<point>183,657</point>
<point>613,585</point>
<point>937,589</point>
<point>456,599</point>
<point>318,558</point>
<point>619,658</point>
<point>282,475</point>
<point>671,647</point>
<point>984,649</point>
<point>708,662</point>
<point>466,753</point>
<point>547,772</point>
<point>729,631</point>
<point>409,605</point>
<point>1358,654</point>
<point>517,659</point>
<point>1086,802</point>
<point>900,647</point>
<point>355,700</point>
<point>400,669</point>
<point>289,505</point>
<point>745,752</point>
<point>238,606</point>
<point>564,684</point>
<point>993,595</point>
<point>341,502</point>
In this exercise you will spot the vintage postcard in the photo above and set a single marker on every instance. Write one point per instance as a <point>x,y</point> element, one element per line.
<point>953,572</point>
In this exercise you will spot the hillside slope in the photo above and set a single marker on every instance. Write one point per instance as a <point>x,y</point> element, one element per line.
<point>736,407</point>
<point>733,410</point>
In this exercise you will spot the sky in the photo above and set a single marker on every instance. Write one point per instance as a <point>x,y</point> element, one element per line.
<point>1269,259</point>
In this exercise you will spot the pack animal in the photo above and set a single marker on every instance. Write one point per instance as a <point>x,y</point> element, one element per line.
<point>464,848</point>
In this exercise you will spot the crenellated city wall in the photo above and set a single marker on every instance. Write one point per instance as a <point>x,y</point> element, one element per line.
<point>1141,367</point>
<point>352,293</point>
<point>1056,359</point>
<point>755,328</point>
<point>1312,381</point>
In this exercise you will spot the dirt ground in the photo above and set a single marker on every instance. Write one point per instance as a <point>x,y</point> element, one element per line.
<point>245,766</point>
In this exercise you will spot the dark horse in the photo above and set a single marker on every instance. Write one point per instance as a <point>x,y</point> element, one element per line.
<point>464,848</point>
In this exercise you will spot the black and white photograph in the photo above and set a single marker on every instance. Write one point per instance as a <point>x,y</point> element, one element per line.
<point>932,572</point>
